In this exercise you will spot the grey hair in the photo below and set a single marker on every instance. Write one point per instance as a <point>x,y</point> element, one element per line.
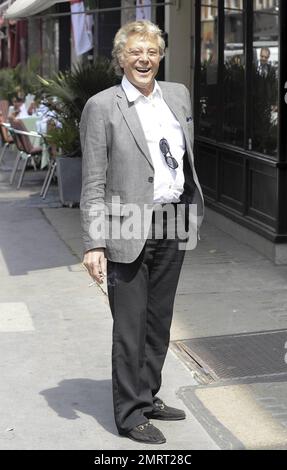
<point>143,28</point>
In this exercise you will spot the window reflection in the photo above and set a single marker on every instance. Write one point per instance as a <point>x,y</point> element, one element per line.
<point>234,74</point>
<point>233,4</point>
<point>222,104</point>
<point>209,66</point>
<point>268,5</point>
<point>265,77</point>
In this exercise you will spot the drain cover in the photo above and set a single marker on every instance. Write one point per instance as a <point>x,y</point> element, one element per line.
<point>238,356</point>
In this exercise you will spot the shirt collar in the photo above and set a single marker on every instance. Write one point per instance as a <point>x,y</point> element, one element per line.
<point>133,93</point>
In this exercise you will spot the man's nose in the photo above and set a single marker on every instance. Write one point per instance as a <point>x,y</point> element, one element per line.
<point>144,57</point>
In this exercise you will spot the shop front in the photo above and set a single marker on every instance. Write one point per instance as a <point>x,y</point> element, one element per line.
<point>240,111</point>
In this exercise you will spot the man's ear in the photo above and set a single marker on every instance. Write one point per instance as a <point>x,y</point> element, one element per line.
<point>121,61</point>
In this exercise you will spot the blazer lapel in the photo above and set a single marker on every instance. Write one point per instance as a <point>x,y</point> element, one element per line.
<point>131,117</point>
<point>176,108</point>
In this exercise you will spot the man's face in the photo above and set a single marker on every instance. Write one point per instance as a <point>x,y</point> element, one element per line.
<point>140,62</point>
<point>264,57</point>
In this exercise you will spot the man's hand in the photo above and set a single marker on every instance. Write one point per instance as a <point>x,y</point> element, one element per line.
<point>96,264</point>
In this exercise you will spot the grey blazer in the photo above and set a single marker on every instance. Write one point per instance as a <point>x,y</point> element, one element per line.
<point>117,168</point>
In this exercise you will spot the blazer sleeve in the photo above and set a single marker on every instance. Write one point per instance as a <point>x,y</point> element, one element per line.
<point>94,168</point>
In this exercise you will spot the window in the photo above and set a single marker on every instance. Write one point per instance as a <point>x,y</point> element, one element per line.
<point>238,75</point>
<point>265,77</point>
<point>233,74</point>
<point>209,66</point>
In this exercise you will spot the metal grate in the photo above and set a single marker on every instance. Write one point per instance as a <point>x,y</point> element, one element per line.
<point>239,356</point>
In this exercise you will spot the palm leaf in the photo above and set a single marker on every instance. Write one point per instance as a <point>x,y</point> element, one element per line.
<point>73,89</point>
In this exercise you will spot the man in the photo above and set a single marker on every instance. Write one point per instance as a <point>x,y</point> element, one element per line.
<point>137,153</point>
<point>20,108</point>
<point>264,66</point>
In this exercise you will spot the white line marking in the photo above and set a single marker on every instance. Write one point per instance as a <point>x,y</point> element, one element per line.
<point>15,316</point>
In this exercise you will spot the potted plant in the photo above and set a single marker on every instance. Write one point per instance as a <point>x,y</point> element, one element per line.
<point>72,89</point>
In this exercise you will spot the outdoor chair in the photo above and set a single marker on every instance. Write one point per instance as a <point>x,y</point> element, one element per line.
<point>6,138</point>
<point>4,107</point>
<point>18,143</point>
<point>52,163</point>
<point>49,176</point>
<point>27,151</point>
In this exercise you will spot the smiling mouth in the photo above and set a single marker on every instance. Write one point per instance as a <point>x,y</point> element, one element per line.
<point>143,71</point>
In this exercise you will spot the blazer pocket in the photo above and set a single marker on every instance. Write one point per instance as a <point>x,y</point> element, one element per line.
<point>114,209</point>
<point>117,209</point>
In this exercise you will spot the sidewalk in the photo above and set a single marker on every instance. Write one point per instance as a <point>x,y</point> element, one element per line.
<point>56,338</point>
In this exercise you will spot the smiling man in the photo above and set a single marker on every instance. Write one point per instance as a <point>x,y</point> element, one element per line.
<point>137,141</point>
<point>140,61</point>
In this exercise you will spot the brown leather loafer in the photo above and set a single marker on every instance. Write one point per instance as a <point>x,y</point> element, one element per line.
<point>146,433</point>
<point>165,413</point>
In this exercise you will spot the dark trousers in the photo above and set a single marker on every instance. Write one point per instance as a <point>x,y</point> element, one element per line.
<point>141,296</point>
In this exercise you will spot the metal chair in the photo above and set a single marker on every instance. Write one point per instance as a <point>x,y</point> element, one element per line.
<point>26,150</point>
<point>6,138</point>
<point>48,179</point>
<point>20,148</point>
<point>52,163</point>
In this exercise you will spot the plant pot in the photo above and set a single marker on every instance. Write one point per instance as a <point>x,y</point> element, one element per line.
<point>69,173</point>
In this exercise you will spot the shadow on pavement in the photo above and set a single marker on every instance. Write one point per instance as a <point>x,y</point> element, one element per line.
<point>91,397</point>
<point>28,242</point>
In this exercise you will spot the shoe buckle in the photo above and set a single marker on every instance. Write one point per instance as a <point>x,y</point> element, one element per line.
<point>141,427</point>
<point>160,406</point>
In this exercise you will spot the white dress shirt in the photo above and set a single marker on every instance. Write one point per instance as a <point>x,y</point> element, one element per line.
<point>159,122</point>
<point>23,112</point>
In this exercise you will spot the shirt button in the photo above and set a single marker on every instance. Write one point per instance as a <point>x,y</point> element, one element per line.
<point>150,180</point>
